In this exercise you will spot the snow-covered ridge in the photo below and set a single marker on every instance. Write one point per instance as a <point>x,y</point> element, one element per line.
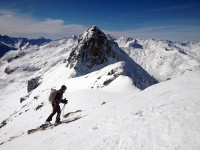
<point>163,59</point>
<point>11,43</point>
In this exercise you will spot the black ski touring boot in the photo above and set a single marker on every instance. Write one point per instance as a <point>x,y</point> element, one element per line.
<point>57,123</point>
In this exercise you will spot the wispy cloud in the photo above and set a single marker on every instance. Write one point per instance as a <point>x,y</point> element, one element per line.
<point>176,33</point>
<point>177,7</point>
<point>14,24</point>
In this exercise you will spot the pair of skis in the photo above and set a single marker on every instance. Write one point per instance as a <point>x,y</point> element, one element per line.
<point>45,126</point>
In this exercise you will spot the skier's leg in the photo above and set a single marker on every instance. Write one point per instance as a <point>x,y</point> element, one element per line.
<point>53,113</point>
<point>58,114</point>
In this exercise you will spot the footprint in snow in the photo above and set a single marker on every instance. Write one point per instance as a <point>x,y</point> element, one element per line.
<point>139,113</point>
<point>94,128</point>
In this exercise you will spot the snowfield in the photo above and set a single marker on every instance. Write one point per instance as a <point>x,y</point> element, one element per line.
<point>163,116</point>
<point>116,115</point>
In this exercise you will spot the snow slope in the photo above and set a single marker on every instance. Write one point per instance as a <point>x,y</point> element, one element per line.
<point>32,62</point>
<point>163,59</point>
<point>35,60</point>
<point>163,116</point>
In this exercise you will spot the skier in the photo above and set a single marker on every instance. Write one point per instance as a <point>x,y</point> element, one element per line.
<point>56,106</point>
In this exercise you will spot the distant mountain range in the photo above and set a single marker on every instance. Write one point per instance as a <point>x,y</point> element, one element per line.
<point>11,43</point>
<point>162,59</point>
<point>144,61</point>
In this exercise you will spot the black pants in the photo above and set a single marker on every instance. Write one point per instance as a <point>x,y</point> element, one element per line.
<point>56,109</point>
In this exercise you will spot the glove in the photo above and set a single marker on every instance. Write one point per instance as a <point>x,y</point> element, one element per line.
<point>65,101</point>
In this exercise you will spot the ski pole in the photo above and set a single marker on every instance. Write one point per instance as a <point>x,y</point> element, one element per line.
<point>63,111</point>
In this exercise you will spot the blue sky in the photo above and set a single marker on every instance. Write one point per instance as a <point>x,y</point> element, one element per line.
<point>161,19</point>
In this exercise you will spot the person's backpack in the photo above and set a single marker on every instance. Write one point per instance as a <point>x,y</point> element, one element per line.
<point>52,95</point>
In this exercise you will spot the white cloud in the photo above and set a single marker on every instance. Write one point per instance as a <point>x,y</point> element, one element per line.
<point>14,24</point>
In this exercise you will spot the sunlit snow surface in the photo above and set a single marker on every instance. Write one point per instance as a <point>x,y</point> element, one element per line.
<point>163,116</point>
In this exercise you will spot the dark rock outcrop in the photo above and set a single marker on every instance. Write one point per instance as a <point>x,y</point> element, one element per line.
<point>13,58</point>
<point>10,70</point>
<point>135,44</point>
<point>24,98</point>
<point>33,84</point>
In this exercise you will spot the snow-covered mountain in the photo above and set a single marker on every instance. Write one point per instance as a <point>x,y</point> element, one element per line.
<point>163,59</point>
<point>11,43</point>
<point>95,51</point>
<point>108,82</point>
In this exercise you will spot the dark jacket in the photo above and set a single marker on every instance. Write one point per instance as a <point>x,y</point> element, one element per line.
<point>59,97</point>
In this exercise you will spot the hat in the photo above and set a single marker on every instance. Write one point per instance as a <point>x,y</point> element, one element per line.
<point>63,87</point>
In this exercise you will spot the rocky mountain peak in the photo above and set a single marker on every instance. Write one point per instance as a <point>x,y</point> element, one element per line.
<point>92,32</point>
<point>93,51</point>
